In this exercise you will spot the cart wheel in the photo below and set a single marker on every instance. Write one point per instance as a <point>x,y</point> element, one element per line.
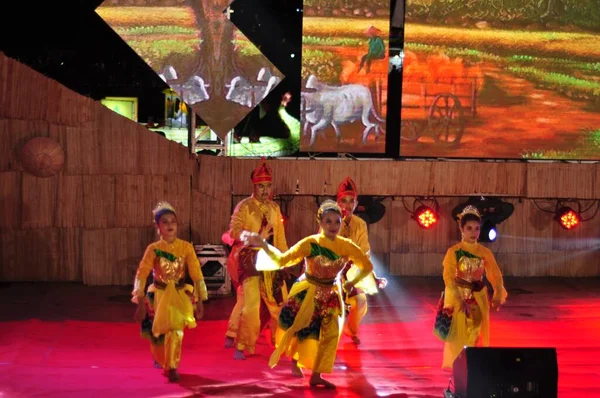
<point>409,131</point>
<point>446,119</point>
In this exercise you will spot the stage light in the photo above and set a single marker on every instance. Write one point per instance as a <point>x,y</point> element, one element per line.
<point>493,212</point>
<point>426,217</point>
<point>489,233</point>
<point>567,218</point>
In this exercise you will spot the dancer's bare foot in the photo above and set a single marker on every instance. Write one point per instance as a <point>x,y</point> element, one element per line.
<point>355,339</point>
<point>157,365</point>
<point>238,355</point>
<point>173,375</point>
<point>296,371</point>
<point>229,343</point>
<point>316,380</point>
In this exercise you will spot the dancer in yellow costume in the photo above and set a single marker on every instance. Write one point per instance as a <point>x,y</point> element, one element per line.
<point>259,214</point>
<point>170,305</point>
<point>465,299</point>
<point>355,229</point>
<point>310,322</point>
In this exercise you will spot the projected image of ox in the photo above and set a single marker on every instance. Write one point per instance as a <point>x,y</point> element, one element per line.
<point>345,66</point>
<point>327,105</point>
<point>248,94</point>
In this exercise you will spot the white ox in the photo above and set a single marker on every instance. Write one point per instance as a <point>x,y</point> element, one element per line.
<point>242,92</point>
<point>336,105</point>
<point>194,91</point>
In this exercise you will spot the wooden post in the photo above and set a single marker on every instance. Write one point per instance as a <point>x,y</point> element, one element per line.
<point>191,129</point>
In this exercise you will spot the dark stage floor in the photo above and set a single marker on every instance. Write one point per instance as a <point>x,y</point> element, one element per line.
<point>69,340</point>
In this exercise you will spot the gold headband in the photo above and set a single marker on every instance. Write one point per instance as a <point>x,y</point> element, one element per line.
<point>162,208</point>
<point>470,209</point>
<point>328,205</point>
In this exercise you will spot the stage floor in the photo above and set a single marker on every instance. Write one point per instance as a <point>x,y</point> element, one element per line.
<point>69,340</point>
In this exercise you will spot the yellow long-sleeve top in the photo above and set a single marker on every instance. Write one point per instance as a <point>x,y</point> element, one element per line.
<point>248,215</point>
<point>355,229</point>
<point>325,257</point>
<point>168,263</point>
<point>466,262</point>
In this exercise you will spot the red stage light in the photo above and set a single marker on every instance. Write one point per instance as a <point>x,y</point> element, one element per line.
<point>426,217</point>
<point>568,218</point>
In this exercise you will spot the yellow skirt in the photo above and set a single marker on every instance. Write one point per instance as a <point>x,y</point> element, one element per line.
<point>466,331</point>
<point>311,353</point>
<point>173,309</point>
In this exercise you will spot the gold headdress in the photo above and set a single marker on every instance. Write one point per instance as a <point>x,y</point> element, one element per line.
<point>470,209</point>
<point>162,208</point>
<point>328,205</point>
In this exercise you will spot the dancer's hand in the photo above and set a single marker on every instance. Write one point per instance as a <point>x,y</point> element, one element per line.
<point>140,313</point>
<point>381,282</point>
<point>199,310</point>
<point>267,232</point>
<point>496,304</point>
<point>348,285</point>
<point>252,239</point>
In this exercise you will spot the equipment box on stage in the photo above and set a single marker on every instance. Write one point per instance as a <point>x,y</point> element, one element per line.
<point>213,260</point>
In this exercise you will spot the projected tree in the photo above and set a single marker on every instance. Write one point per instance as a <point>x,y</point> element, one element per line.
<point>196,49</point>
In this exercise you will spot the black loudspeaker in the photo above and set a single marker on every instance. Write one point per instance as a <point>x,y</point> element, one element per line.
<point>506,372</point>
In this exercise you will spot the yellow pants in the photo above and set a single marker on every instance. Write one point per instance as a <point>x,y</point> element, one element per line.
<point>358,309</point>
<point>244,321</point>
<point>168,355</point>
<point>173,312</point>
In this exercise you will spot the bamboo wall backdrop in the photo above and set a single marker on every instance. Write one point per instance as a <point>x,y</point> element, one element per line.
<point>92,221</point>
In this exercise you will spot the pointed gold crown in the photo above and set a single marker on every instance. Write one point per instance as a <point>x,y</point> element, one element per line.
<point>162,208</point>
<point>470,209</point>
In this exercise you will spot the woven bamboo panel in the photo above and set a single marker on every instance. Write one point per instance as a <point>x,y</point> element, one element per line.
<point>380,232</point>
<point>416,264</point>
<point>210,218</point>
<point>567,264</point>
<point>69,201</point>
<point>302,211</point>
<point>312,176</point>
<point>132,206</point>
<point>339,170</point>
<point>527,230</point>
<point>381,263</point>
<point>395,178</point>
<point>10,200</point>
<point>14,134</point>
<point>111,256</point>
<point>214,175</point>
<point>408,236</point>
<point>487,179</point>
<point>99,201</point>
<point>554,180</point>
<point>211,200</point>
<point>48,254</point>
<point>38,201</point>
<point>178,192</point>
<point>27,94</point>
